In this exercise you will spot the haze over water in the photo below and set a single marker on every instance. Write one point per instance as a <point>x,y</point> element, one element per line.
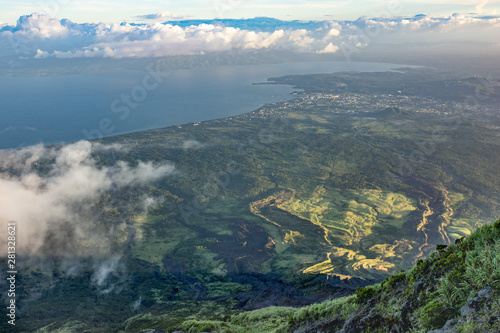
<point>63,108</point>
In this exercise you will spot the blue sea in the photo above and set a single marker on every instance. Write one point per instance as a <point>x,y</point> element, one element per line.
<point>56,109</point>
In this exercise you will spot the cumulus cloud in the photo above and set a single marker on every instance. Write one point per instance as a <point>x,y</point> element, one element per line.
<point>424,23</point>
<point>39,36</point>
<point>57,203</point>
<point>330,48</point>
<point>166,39</point>
<point>44,37</point>
<point>41,26</point>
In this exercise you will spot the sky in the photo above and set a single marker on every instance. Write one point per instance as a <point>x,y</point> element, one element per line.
<point>72,29</point>
<point>127,10</point>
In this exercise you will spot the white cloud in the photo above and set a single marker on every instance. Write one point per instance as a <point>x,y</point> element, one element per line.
<point>144,172</point>
<point>480,5</point>
<point>333,33</point>
<point>111,147</point>
<point>160,40</point>
<point>42,26</point>
<point>330,48</point>
<point>105,269</point>
<point>40,36</point>
<point>192,144</point>
<point>41,54</point>
<point>72,181</point>
<point>308,5</point>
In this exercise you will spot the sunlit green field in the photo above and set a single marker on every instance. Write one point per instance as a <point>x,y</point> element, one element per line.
<point>349,217</point>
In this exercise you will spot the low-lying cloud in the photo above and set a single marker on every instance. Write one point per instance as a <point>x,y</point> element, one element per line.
<point>40,36</point>
<point>109,274</point>
<point>51,193</point>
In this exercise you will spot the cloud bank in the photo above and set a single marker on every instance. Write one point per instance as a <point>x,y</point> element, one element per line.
<point>40,36</point>
<point>51,194</point>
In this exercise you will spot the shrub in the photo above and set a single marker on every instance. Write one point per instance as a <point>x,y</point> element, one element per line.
<point>364,294</point>
<point>392,280</point>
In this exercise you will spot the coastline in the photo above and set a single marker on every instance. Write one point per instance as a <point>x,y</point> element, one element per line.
<point>153,112</point>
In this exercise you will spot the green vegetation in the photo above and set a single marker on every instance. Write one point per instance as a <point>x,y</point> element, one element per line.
<point>425,82</point>
<point>420,299</point>
<point>350,180</point>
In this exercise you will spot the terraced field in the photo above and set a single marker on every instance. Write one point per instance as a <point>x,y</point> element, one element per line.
<point>340,223</point>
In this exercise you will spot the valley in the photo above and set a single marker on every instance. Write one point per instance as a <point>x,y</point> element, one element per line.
<point>297,202</point>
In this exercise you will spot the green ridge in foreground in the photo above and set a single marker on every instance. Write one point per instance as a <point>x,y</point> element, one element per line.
<point>456,289</point>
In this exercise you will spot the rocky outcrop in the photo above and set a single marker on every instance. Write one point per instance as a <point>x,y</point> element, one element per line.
<point>359,324</point>
<point>469,312</point>
<point>323,326</point>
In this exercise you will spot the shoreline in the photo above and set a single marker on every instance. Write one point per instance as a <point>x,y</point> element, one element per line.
<point>293,94</point>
